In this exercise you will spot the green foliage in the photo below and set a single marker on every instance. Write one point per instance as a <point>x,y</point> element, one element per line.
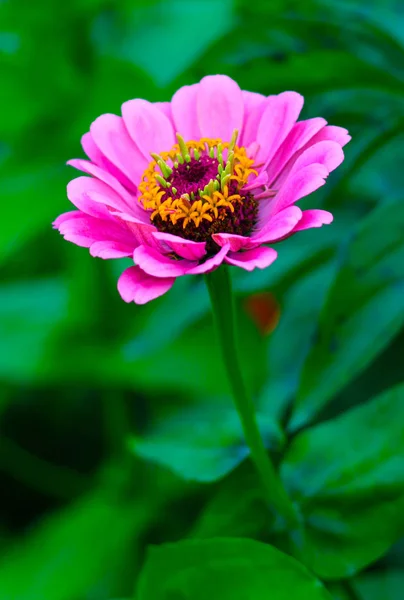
<point>29,312</point>
<point>71,552</point>
<point>95,394</point>
<point>361,314</point>
<point>388,585</point>
<point>202,443</point>
<point>149,38</point>
<point>347,476</point>
<point>237,509</point>
<point>225,568</point>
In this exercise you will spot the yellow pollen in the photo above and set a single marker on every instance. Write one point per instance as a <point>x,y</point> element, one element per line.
<point>158,195</point>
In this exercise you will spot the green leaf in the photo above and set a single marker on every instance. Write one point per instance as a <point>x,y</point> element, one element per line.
<point>347,476</point>
<point>67,554</point>
<point>155,331</point>
<point>222,569</point>
<point>29,313</point>
<point>300,309</point>
<point>202,443</point>
<point>165,39</point>
<point>381,585</point>
<point>31,201</point>
<point>296,256</point>
<point>334,69</point>
<point>238,509</point>
<point>182,348</point>
<point>362,313</point>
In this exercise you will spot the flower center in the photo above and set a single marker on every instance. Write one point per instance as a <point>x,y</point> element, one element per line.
<point>196,189</point>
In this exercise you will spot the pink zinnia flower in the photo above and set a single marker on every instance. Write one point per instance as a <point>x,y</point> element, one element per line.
<point>210,177</point>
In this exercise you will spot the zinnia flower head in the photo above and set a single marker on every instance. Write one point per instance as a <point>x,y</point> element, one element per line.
<point>208,178</point>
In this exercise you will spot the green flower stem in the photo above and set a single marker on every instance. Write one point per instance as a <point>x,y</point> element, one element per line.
<point>220,291</point>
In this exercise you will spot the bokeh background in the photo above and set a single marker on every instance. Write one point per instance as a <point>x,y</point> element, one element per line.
<point>90,386</point>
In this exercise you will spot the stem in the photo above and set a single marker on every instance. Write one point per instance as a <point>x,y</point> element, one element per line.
<point>220,291</point>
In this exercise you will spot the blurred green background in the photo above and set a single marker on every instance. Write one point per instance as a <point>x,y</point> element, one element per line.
<point>90,386</point>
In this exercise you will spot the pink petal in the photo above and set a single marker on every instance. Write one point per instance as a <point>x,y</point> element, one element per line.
<point>257,181</point>
<point>329,154</point>
<point>330,133</point>
<point>300,135</point>
<point>165,108</point>
<point>299,184</point>
<point>260,257</point>
<point>84,230</point>
<point>308,173</point>
<point>183,106</point>
<point>110,250</point>
<point>110,135</point>
<point>136,286</point>
<point>154,263</point>
<point>235,242</point>
<point>101,174</point>
<point>313,218</point>
<point>252,150</point>
<point>67,216</point>
<point>185,248</point>
<point>279,116</point>
<point>254,106</point>
<point>92,196</point>
<point>132,205</point>
<point>148,127</point>
<point>220,107</point>
<point>278,226</point>
<point>211,264</point>
<point>91,149</point>
<point>97,157</point>
<point>142,232</point>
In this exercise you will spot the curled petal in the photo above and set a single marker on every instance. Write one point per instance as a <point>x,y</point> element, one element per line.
<point>278,226</point>
<point>259,258</point>
<point>185,248</point>
<point>108,250</point>
<point>313,218</point>
<point>134,285</point>
<point>235,242</point>
<point>154,263</point>
<point>67,216</point>
<point>211,264</point>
